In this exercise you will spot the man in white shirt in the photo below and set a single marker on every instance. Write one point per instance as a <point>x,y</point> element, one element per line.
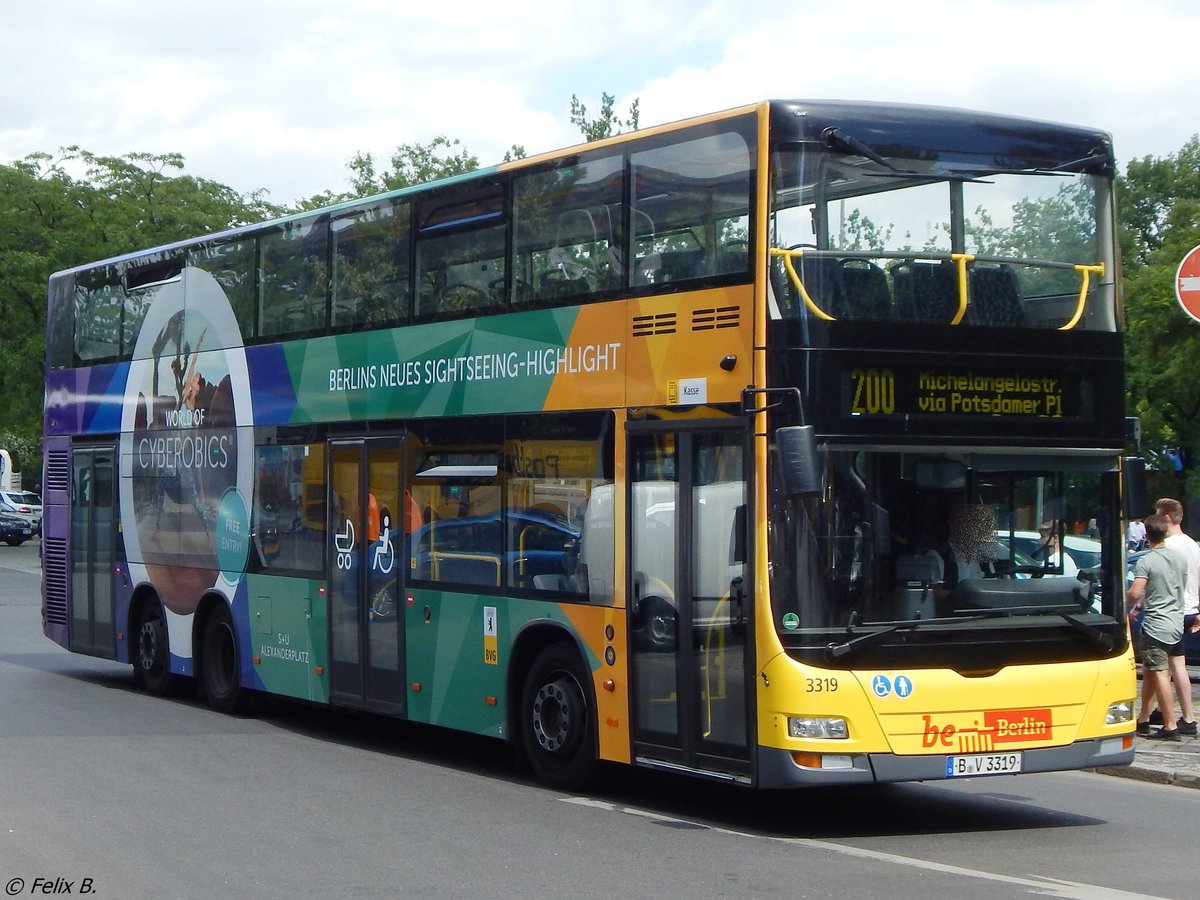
<point>1136,537</point>
<point>1050,550</point>
<point>1180,543</point>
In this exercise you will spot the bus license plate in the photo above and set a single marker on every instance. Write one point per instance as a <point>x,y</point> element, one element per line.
<point>983,764</point>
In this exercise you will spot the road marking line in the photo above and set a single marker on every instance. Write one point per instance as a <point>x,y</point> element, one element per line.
<point>1049,887</point>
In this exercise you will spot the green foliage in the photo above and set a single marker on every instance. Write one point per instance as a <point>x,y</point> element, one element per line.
<point>859,232</point>
<point>608,123</point>
<point>56,213</point>
<point>1154,197</point>
<point>411,164</point>
<point>1161,223</point>
<point>25,450</point>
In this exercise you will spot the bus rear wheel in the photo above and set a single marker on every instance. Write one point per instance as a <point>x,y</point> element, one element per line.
<point>219,664</point>
<point>151,653</point>
<point>558,721</point>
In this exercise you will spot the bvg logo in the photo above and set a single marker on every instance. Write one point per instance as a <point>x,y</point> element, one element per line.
<point>1000,726</point>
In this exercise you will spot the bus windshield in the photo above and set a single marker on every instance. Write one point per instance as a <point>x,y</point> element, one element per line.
<point>859,235</point>
<point>912,536</point>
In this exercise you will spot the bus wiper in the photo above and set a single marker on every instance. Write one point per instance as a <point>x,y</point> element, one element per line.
<point>1099,639</point>
<point>836,139</point>
<point>1098,159</point>
<point>836,651</point>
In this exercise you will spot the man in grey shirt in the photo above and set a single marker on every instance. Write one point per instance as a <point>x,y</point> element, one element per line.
<point>1158,582</point>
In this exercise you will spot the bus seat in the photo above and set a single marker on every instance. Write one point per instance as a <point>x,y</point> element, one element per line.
<point>822,278</point>
<point>647,269</point>
<point>733,256</point>
<point>865,291</point>
<point>995,297</point>
<point>680,265</point>
<point>556,284</point>
<point>925,291</point>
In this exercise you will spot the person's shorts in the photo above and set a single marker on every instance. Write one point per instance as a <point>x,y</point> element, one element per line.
<point>1177,649</point>
<point>1154,657</point>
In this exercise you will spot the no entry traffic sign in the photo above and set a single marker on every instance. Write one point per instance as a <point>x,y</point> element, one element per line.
<point>1187,283</point>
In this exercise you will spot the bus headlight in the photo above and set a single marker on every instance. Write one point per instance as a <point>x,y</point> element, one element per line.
<point>1119,712</point>
<point>817,727</point>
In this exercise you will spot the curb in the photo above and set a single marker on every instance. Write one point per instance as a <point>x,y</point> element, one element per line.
<point>1154,776</point>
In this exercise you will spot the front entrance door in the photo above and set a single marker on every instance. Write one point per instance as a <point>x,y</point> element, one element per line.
<point>365,546</point>
<point>690,609</point>
<point>92,530</point>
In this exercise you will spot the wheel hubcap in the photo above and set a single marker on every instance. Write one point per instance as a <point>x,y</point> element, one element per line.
<point>148,645</point>
<point>556,709</point>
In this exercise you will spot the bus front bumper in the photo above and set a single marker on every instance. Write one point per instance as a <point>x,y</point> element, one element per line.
<point>780,769</point>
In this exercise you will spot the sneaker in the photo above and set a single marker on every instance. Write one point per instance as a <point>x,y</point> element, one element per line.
<point>1156,717</point>
<point>1188,728</point>
<point>1143,728</point>
<point>1164,734</point>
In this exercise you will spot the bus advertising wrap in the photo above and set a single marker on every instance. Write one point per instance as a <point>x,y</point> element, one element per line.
<point>186,451</point>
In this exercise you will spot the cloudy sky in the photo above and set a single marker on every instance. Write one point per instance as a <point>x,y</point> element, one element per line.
<point>279,94</point>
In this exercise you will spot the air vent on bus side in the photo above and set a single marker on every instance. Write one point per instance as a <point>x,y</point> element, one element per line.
<point>58,471</point>
<point>660,323</point>
<point>716,317</point>
<point>55,573</point>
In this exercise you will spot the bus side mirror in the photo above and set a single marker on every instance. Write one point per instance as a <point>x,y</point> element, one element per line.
<point>1136,496</point>
<point>799,464</point>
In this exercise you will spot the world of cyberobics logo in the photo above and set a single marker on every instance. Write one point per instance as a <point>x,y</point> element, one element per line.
<point>188,466</point>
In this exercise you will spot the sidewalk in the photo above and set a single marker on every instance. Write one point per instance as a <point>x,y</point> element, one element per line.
<point>1165,762</point>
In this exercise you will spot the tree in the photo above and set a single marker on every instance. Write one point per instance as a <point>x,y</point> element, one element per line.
<point>607,124</point>
<point>1160,199</point>
<point>52,218</point>
<point>1148,196</point>
<point>410,164</point>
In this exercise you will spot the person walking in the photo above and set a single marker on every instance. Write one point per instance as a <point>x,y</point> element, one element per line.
<point>1158,584</point>
<point>1178,541</point>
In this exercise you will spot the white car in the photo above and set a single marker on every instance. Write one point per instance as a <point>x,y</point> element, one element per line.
<point>25,504</point>
<point>1087,553</point>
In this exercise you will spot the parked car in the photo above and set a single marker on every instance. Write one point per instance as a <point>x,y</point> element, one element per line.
<point>15,530</point>
<point>25,504</point>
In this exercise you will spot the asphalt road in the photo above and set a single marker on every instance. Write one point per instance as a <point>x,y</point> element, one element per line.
<point>108,789</point>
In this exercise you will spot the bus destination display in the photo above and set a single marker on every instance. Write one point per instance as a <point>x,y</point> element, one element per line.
<point>940,392</point>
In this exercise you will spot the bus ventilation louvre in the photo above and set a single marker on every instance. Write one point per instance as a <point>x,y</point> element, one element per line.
<point>720,317</point>
<point>705,319</point>
<point>55,570</point>
<point>646,326</point>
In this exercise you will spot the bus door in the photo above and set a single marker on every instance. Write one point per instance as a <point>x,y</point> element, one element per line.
<point>92,550</point>
<point>689,594</point>
<point>366,537</point>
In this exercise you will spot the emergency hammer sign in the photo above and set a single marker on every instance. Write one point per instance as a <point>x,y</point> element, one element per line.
<point>1187,283</point>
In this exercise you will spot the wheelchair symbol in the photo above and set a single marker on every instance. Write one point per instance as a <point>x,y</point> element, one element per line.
<point>385,551</point>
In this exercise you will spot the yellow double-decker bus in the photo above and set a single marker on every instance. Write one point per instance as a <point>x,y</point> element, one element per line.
<point>727,447</point>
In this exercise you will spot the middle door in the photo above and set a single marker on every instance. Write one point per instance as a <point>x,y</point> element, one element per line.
<point>366,546</point>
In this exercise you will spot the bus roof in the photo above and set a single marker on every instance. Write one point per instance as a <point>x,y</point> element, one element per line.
<point>890,128</point>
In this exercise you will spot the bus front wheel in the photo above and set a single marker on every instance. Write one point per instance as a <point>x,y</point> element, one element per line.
<point>558,721</point>
<point>219,666</point>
